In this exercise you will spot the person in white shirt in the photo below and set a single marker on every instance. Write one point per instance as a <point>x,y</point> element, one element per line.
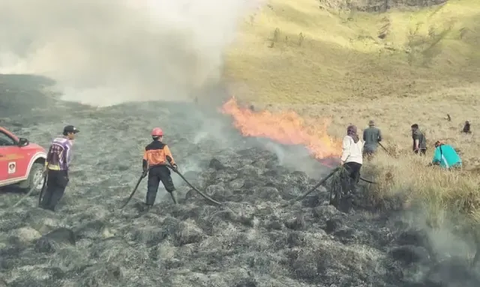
<point>352,156</point>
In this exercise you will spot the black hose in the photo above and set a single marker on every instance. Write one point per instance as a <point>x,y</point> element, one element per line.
<point>193,187</point>
<point>385,149</point>
<point>361,178</point>
<point>133,192</point>
<point>42,191</point>
<point>321,182</point>
<point>170,165</point>
<point>29,192</point>
<point>476,258</point>
<point>315,187</point>
<point>368,181</point>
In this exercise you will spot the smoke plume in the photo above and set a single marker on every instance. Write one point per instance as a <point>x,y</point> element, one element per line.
<point>108,52</point>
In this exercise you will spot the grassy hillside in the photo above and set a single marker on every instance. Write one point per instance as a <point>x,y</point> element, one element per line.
<point>307,54</point>
<point>398,68</point>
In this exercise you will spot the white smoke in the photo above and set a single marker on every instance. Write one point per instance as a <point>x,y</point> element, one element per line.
<point>107,52</point>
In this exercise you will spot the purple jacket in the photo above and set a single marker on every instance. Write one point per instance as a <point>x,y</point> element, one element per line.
<point>59,155</point>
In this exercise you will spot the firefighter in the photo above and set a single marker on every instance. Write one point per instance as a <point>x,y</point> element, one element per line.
<point>155,163</point>
<point>58,160</point>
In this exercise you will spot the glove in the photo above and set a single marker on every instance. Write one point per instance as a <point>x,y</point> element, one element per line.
<point>144,173</point>
<point>175,167</point>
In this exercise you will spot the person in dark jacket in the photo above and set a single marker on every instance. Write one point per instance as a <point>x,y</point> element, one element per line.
<point>372,136</point>
<point>155,160</point>
<point>58,160</point>
<point>419,140</point>
<point>466,128</point>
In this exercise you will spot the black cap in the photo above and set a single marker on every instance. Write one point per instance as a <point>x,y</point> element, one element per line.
<point>70,129</point>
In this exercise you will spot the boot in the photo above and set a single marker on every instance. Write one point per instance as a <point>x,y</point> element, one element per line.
<point>147,207</point>
<point>173,194</point>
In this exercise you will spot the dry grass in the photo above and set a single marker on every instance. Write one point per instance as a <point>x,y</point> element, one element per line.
<point>295,52</point>
<point>425,64</point>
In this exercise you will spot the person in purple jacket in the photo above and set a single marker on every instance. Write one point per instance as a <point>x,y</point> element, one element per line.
<point>58,160</point>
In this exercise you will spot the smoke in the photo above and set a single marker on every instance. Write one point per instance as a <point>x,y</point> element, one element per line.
<point>452,243</point>
<point>447,239</point>
<point>109,52</point>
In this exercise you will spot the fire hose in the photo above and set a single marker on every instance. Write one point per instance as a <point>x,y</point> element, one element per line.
<point>133,192</point>
<point>32,189</point>
<point>367,181</point>
<point>42,191</point>
<point>315,187</point>
<point>321,182</point>
<point>385,149</point>
<point>193,187</point>
<point>170,166</point>
<point>169,159</point>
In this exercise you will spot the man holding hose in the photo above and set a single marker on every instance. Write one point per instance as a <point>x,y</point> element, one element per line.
<point>352,157</point>
<point>58,161</point>
<point>155,160</point>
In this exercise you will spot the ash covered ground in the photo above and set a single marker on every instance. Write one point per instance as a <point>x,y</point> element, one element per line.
<point>89,241</point>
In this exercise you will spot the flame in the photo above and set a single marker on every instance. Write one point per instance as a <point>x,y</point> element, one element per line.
<point>286,128</point>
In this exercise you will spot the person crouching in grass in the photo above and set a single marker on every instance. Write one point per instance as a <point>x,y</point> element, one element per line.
<point>445,156</point>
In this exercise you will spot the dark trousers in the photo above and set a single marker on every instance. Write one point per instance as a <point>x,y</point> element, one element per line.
<point>155,175</point>
<point>56,183</point>
<point>352,177</point>
<point>368,154</point>
<point>421,151</point>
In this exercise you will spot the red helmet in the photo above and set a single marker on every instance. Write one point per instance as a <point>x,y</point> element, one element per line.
<point>157,132</point>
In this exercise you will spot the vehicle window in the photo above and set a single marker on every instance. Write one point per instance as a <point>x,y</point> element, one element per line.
<point>5,140</point>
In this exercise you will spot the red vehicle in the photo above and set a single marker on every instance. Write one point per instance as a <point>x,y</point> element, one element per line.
<point>21,163</point>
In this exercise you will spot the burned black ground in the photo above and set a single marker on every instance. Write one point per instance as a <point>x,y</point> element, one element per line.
<point>251,241</point>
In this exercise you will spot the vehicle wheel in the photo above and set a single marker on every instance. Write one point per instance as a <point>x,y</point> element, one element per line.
<point>35,175</point>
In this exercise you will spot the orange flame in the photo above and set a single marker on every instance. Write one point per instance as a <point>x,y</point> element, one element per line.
<point>285,127</point>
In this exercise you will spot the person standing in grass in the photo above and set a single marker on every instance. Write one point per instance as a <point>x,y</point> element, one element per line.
<point>445,156</point>
<point>466,128</point>
<point>419,140</point>
<point>352,157</point>
<point>372,136</point>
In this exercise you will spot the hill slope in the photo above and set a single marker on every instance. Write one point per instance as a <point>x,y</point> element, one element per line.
<point>301,52</point>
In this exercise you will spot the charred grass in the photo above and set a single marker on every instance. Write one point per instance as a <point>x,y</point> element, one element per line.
<point>254,240</point>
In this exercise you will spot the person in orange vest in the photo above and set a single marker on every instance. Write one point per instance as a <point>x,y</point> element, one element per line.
<point>155,160</point>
